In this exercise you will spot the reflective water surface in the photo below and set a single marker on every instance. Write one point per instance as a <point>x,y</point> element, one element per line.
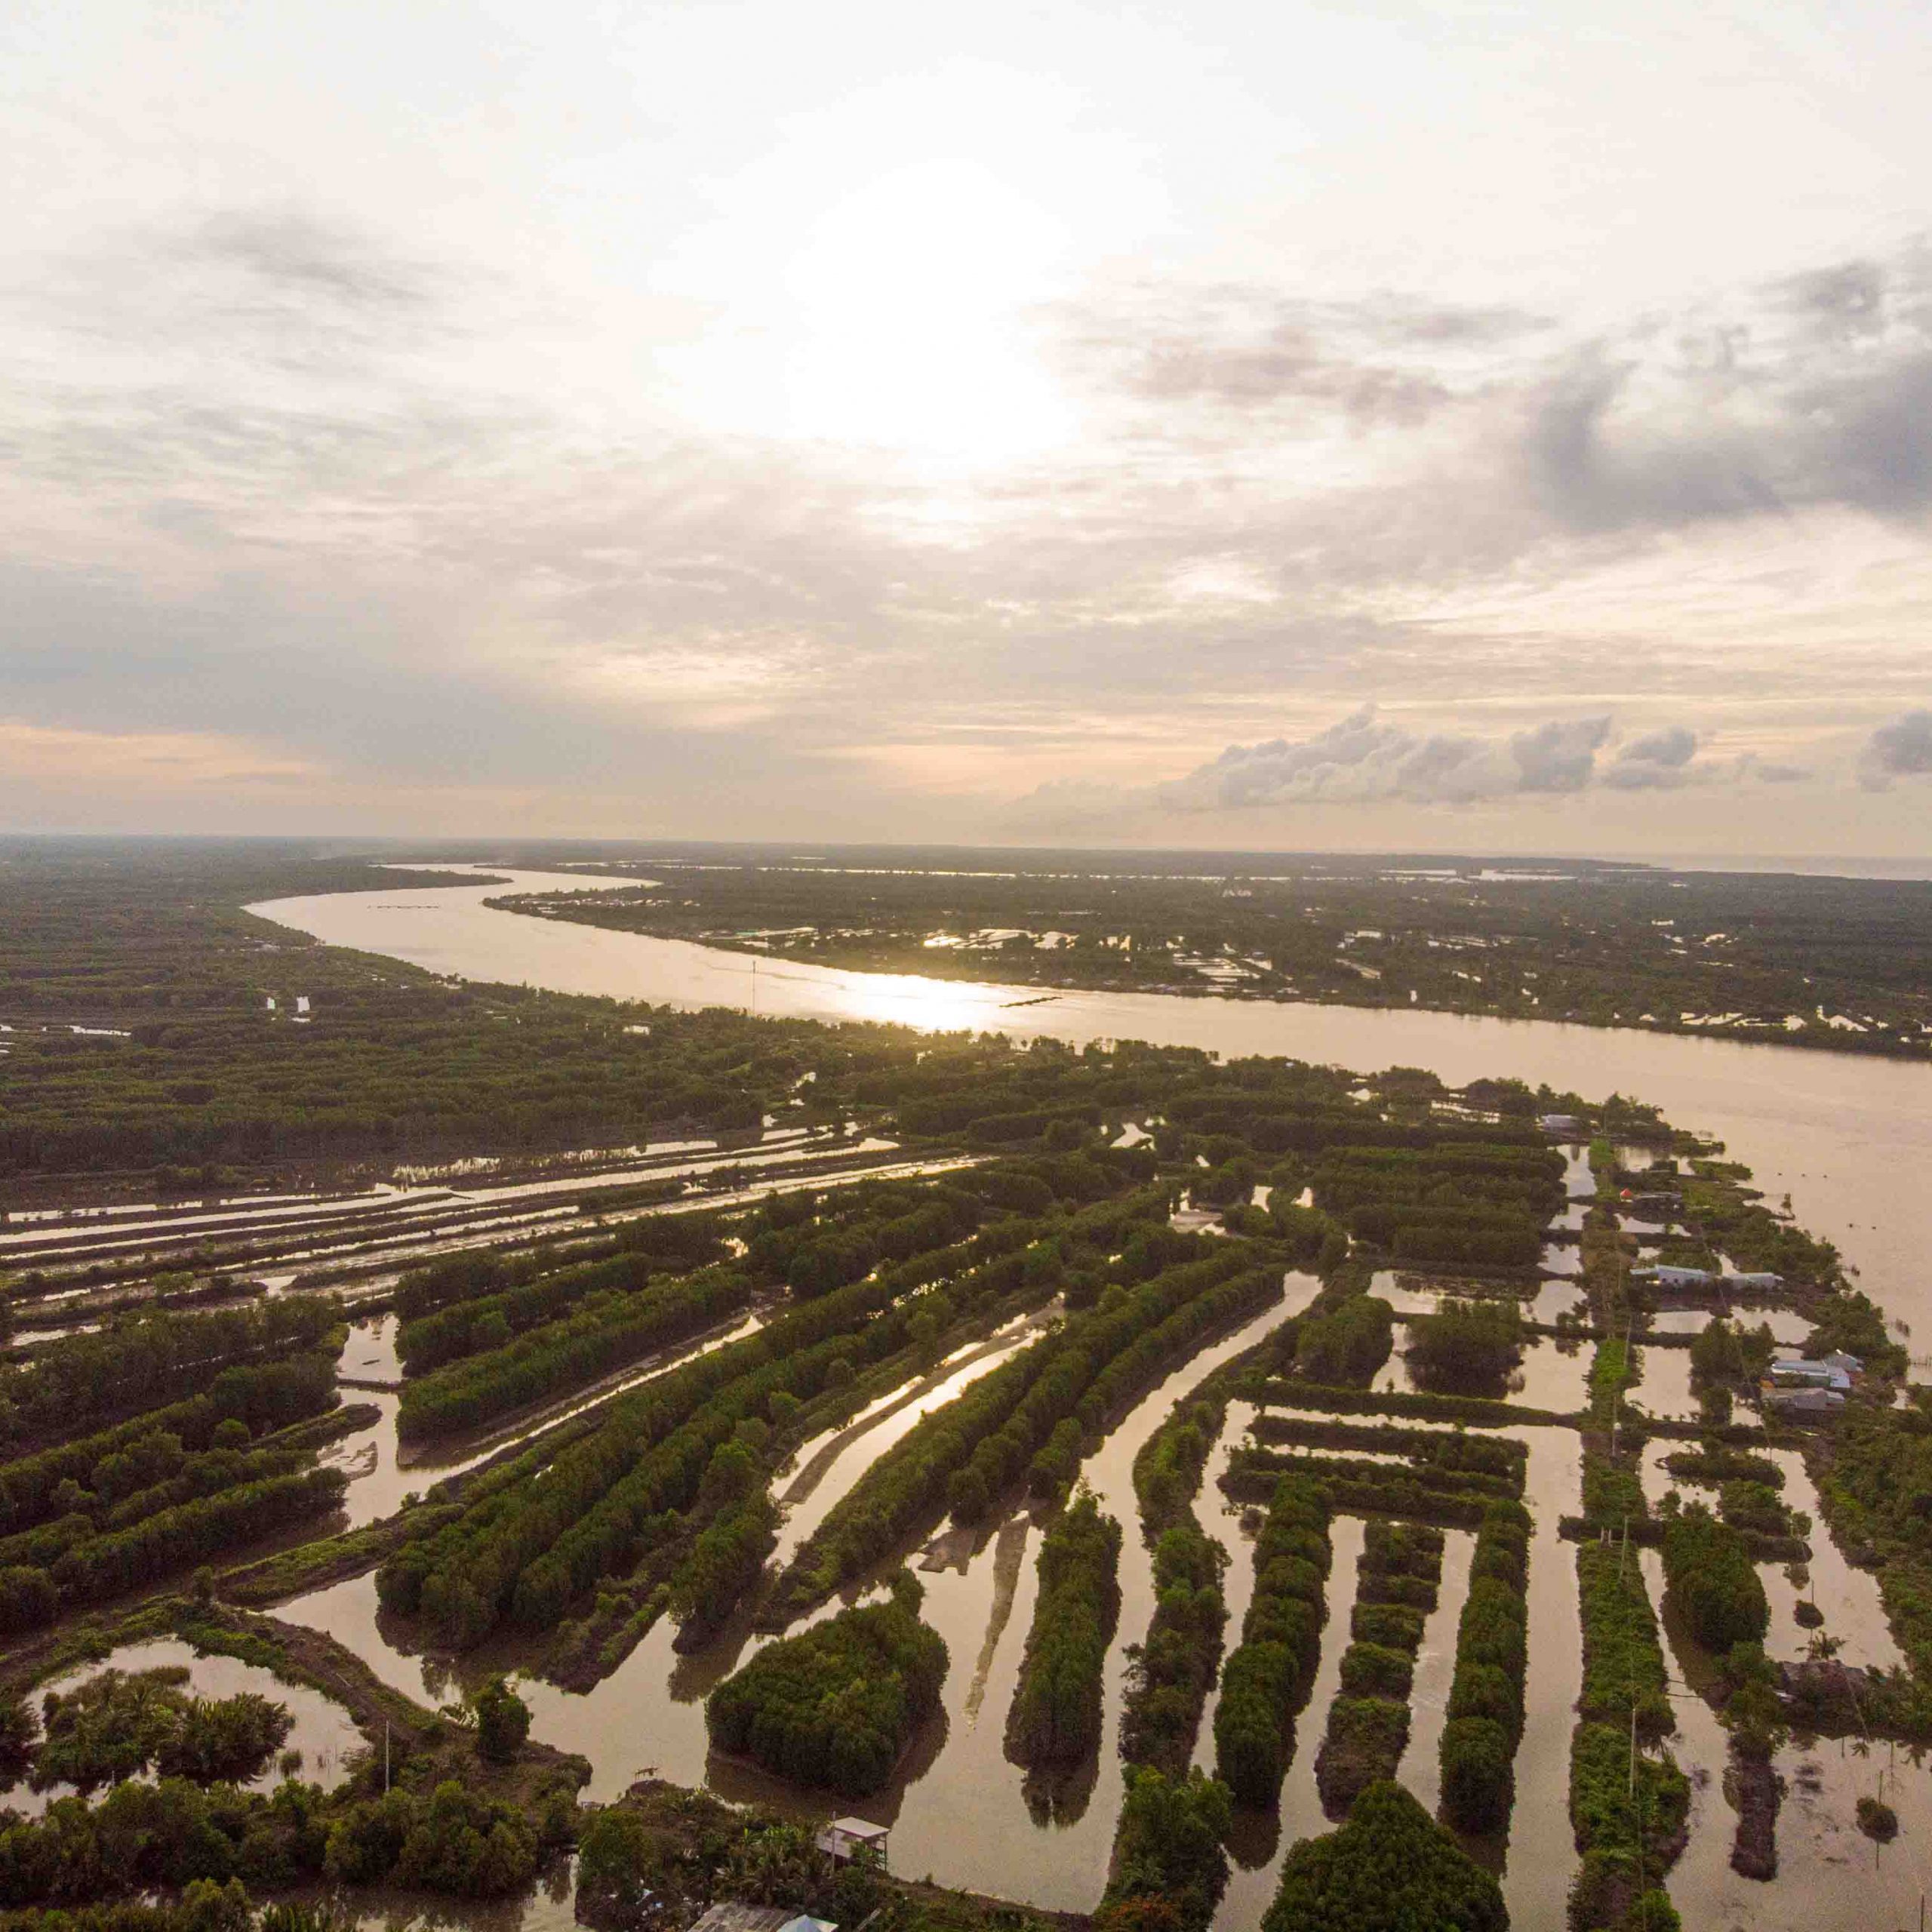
<point>1842,1133</point>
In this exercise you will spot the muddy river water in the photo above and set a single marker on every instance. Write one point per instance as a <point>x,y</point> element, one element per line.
<point>1841,1132</point>
<point>1844,1135</point>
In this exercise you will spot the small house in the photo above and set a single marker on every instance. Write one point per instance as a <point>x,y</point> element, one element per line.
<point>1194,1220</point>
<point>1755,1281</point>
<point>1795,1370</point>
<point>734,1915</point>
<point>1663,1275</point>
<point>1791,1372</point>
<point>844,1838</point>
<point>1802,1401</point>
<point>1563,1127</point>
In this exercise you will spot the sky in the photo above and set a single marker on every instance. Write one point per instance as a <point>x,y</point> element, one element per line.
<point>1459,427</point>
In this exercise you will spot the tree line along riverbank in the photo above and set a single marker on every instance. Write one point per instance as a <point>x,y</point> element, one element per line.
<point>1829,963</point>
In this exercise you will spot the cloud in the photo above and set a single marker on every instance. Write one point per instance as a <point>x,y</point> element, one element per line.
<point>1076,807</point>
<point>237,502</point>
<point>1842,301</point>
<point>1364,760</point>
<point>1902,749</point>
<point>1771,771</point>
<point>1819,394</point>
<point>241,293</point>
<point>1383,360</point>
<point>1360,759</point>
<point>1287,366</point>
<point>1659,762</point>
<point>292,251</point>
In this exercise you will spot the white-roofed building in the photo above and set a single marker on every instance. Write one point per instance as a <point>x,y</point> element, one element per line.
<point>844,1838</point>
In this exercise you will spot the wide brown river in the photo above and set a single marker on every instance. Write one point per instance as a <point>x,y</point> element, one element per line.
<point>1843,1134</point>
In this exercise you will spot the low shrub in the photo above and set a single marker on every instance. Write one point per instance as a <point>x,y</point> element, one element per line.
<point>1268,1678</point>
<point>835,1706</point>
<point>1390,1869</point>
<point>1712,1579</point>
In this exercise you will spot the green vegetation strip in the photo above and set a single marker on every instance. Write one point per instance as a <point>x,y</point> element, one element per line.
<point>1056,1714</point>
<point>1067,1385</point>
<point>81,1382</point>
<point>1347,1345</point>
<point>1498,1455</point>
<point>1454,1497</point>
<point>1716,1465</point>
<point>1624,1678</point>
<point>473,1303</point>
<point>609,1334</point>
<point>532,1546</point>
<point>1170,1673</point>
<point>1629,1802</point>
<point>116,1463</point>
<point>1713,1582</point>
<point>1268,1678</point>
<point>1485,1721</point>
<point>1276,1392</point>
<point>1368,1723</point>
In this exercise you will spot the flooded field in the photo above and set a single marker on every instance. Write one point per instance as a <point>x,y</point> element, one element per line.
<point>1665,1391</point>
<point>1828,1873</point>
<point>955,1794</point>
<point>323,1736</point>
<point>1555,1374</point>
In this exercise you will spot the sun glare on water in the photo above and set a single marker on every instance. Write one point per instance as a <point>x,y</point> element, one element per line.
<point>933,1006</point>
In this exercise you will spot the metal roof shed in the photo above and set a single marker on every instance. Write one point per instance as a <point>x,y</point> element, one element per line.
<point>734,1915</point>
<point>844,1836</point>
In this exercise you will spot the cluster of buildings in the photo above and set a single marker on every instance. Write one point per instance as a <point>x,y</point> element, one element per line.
<point>1664,1275</point>
<point>842,1840</point>
<point>1794,1385</point>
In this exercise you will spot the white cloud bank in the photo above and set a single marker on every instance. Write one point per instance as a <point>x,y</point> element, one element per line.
<point>1364,760</point>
